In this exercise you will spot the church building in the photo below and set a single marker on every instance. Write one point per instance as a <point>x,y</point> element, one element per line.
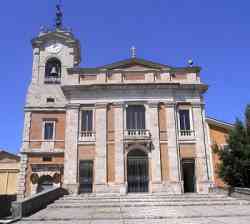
<point>130,126</point>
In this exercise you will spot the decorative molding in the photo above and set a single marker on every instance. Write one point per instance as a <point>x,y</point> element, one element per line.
<point>169,104</point>
<point>72,106</point>
<point>153,104</point>
<point>101,105</point>
<point>197,104</point>
<point>117,104</point>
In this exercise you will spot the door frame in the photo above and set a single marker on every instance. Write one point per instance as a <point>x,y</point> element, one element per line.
<point>193,161</point>
<point>81,189</point>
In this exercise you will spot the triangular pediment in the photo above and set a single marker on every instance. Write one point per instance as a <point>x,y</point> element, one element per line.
<point>8,157</point>
<point>135,64</point>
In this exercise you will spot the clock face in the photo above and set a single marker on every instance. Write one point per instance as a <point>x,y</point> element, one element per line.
<point>54,48</point>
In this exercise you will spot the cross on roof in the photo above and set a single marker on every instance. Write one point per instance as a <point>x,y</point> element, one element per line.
<point>133,52</point>
<point>59,15</point>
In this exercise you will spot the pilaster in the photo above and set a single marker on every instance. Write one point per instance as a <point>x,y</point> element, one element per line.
<point>173,149</point>
<point>21,186</point>
<point>204,181</point>
<point>101,148</point>
<point>26,131</point>
<point>71,149</point>
<point>119,148</point>
<point>36,62</point>
<point>155,153</point>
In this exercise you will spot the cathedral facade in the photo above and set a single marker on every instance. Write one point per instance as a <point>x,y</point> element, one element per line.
<point>126,127</point>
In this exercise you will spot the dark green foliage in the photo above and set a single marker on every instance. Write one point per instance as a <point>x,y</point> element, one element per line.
<point>235,157</point>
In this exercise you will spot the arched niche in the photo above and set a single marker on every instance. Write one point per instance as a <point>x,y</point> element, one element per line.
<point>53,68</point>
<point>45,182</point>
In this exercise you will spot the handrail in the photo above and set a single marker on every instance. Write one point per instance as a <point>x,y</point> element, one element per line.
<point>35,203</point>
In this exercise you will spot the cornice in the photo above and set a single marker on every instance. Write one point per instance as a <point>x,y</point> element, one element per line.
<point>101,105</point>
<point>218,123</point>
<point>153,104</point>
<point>32,109</point>
<point>73,106</point>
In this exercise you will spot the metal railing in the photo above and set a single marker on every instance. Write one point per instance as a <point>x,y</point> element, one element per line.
<point>87,136</point>
<point>137,133</point>
<point>186,133</point>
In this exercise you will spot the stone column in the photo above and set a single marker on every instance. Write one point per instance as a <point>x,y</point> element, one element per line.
<point>202,162</point>
<point>155,147</point>
<point>173,151</point>
<point>119,149</point>
<point>71,149</point>
<point>101,148</point>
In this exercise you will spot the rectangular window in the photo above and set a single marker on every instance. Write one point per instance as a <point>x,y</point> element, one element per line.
<point>47,159</point>
<point>49,130</point>
<point>135,117</point>
<point>184,119</point>
<point>87,120</point>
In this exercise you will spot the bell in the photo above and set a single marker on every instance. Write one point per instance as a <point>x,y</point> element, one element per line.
<point>53,71</point>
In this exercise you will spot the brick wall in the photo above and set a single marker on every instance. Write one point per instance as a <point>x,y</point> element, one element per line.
<point>36,129</point>
<point>187,151</point>
<point>218,136</point>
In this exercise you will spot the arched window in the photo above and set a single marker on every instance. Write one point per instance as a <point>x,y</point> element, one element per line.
<point>44,183</point>
<point>53,70</point>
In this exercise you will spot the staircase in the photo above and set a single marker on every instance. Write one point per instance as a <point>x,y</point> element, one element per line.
<point>142,208</point>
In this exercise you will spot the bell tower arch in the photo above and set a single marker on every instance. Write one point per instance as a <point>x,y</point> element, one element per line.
<point>53,53</point>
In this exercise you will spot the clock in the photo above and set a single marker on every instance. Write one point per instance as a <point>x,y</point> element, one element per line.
<point>54,48</point>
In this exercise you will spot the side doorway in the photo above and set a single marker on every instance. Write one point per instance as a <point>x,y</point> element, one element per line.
<point>188,174</point>
<point>86,176</point>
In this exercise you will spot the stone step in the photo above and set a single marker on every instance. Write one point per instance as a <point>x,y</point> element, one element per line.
<point>118,200</point>
<point>98,197</point>
<point>143,204</point>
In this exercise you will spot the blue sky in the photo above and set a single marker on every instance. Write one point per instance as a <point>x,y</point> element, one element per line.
<point>215,34</point>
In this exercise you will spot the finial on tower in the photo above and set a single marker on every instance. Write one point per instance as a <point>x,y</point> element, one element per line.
<point>59,16</point>
<point>133,52</point>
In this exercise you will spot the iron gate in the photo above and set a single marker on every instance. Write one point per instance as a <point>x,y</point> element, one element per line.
<point>137,173</point>
<point>86,176</point>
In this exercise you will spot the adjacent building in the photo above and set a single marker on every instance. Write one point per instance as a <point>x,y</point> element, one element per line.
<point>130,126</point>
<point>9,169</point>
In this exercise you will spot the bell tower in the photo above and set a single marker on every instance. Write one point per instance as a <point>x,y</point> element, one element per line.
<point>55,50</point>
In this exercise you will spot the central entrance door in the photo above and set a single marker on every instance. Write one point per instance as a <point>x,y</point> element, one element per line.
<point>86,176</point>
<point>137,171</point>
<point>188,172</point>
